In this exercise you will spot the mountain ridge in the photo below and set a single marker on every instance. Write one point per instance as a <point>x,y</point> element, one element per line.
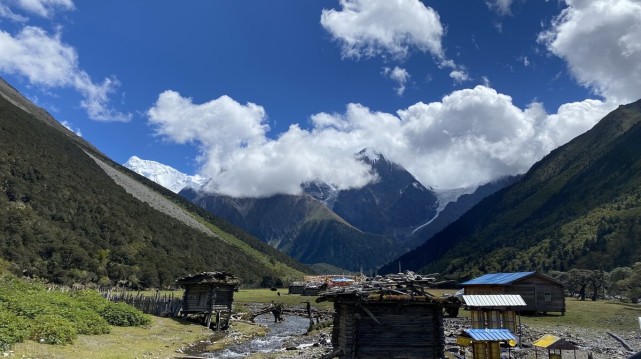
<point>63,219</point>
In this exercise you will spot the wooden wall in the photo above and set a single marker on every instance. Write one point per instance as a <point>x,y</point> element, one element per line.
<point>206,298</point>
<point>296,289</point>
<point>403,330</point>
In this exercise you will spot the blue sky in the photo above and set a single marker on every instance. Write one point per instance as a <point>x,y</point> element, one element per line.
<point>263,95</point>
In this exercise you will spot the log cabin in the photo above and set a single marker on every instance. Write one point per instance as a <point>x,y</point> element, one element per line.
<point>209,294</point>
<point>386,322</point>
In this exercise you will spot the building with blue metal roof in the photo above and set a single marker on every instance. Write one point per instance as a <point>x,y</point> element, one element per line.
<point>498,278</point>
<point>541,293</point>
<point>486,343</point>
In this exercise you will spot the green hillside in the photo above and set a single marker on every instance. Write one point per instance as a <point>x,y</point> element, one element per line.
<point>63,219</point>
<point>579,207</point>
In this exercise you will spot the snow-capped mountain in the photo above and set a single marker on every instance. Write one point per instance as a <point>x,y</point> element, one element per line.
<point>164,175</point>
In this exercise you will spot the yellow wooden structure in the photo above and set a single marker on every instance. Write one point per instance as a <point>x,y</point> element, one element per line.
<point>554,345</point>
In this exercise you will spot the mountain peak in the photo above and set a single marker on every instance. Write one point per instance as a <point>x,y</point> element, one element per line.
<point>368,155</point>
<point>164,175</point>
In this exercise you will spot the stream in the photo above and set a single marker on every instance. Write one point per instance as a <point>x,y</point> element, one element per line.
<point>272,342</point>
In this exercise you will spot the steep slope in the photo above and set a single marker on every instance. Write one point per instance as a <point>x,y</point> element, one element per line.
<point>454,210</point>
<point>64,219</point>
<point>578,207</point>
<point>302,227</point>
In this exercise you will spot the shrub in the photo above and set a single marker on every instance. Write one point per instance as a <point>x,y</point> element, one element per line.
<point>86,321</point>
<point>52,329</point>
<point>13,329</point>
<point>91,299</point>
<point>124,315</point>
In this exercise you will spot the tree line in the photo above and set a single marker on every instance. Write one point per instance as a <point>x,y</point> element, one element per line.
<point>622,283</point>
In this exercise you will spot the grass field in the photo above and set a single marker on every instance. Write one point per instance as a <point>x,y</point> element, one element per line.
<point>266,296</point>
<point>161,339</point>
<point>588,314</point>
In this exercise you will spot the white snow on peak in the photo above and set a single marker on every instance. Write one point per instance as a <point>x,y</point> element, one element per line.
<point>368,153</point>
<point>164,175</point>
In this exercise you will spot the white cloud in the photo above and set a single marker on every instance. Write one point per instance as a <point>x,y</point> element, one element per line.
<point>459,76</point>
<point>500,6</point>
<point>367,28</point>
<point>69,127</point>
<point>45,8</point>
<point>400,76</point>
<point>7,13</point>
<point>601,42</point>
<point>471,136</point>
<point>46,61</point>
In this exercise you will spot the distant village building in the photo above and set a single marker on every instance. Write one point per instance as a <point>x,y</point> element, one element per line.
<point>386,319</point>
<point>210,294</point>
<point>296,288</point>
<point>341,282</point>
<point>312,289</point>
<point>542,294</point>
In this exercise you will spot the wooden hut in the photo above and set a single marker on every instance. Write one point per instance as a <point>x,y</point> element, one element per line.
<point>486,343</point>
<point>555,346</point>
<point>385,323</point>
<point>494,311</point>
<point>210,294</point>
<point>296,288</point>
<point>540,292</point>
<point>312,289</point>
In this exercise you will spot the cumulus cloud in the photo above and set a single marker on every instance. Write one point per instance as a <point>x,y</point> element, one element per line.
<point>601,42</point>
<point>367,28</point>
<point>400,76</point>
<point>46,61</point>
<point>469,137</point>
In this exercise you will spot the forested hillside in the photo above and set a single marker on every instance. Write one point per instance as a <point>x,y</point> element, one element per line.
<point>63,219</point>
<point>579,207</point>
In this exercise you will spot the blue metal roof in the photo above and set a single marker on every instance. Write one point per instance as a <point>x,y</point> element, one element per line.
<point>490,335</point>
<point>498,278</point>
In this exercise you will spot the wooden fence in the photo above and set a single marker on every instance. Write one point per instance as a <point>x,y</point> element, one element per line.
<point>159,305</point>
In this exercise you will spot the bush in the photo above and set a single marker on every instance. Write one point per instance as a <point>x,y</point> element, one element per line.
<point>91,299</point>
<point>124,315</point>
<point>86,321</point>
<point>13,329</point>
<point>52,329</point>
